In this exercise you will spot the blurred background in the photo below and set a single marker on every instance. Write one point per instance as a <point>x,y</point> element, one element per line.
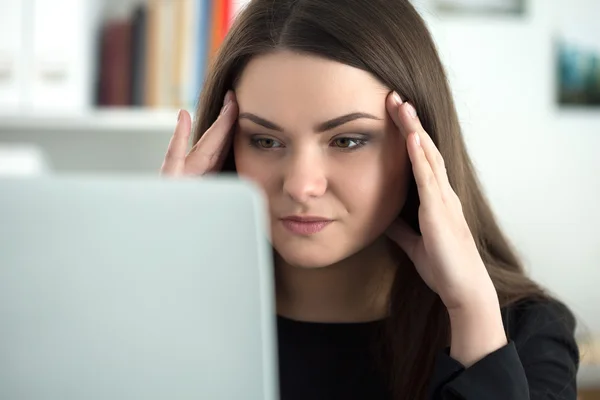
<point>95,85</point>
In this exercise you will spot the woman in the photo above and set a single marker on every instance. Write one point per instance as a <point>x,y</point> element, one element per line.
<point>394,280</point>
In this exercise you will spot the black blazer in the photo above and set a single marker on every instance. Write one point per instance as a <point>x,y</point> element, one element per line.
<point>332,361</point>
<point>540,361</point>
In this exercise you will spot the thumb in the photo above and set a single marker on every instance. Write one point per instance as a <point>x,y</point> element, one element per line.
<point>404,236</point>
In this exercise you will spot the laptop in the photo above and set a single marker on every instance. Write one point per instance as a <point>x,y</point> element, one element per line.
<point>135,288</point>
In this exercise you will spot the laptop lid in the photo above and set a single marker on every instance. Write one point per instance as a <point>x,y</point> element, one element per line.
<point>135,288</point>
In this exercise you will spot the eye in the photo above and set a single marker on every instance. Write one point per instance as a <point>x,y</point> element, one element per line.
<point>265,143</point>
<point>348,143</point>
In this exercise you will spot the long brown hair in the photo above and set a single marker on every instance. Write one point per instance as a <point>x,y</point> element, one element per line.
<point>390,40</point>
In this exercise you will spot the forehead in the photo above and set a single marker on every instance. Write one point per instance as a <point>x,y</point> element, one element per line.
<point>298,88</point>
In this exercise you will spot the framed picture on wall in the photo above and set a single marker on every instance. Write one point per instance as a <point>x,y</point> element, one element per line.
<point>578,70</point>
<point>577,56</point>
<point>510,7</point>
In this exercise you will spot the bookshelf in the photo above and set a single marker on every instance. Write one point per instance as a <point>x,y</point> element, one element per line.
<point>118,120</point>
<point>54,104</point>
<point>109,95</point>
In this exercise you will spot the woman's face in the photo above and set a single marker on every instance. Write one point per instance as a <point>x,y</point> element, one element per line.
<point>316,136</point>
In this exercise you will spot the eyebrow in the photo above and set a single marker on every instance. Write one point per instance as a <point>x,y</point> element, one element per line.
<point>323,127</point>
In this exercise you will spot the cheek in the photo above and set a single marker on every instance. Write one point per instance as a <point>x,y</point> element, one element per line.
<point>374,186</point>
<point>250,165</point>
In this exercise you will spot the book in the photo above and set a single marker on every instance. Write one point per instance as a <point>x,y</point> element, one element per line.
<point>138,56</point>
<point>171,44</point>
<point>115,68</point>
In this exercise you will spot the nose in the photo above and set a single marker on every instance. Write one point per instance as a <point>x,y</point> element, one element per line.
<point>305,177</point>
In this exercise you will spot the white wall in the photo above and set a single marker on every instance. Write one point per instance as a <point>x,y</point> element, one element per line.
<point>538,164</point>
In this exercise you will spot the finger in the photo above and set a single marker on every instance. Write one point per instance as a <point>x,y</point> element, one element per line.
<point>402,234</point>
<point>208,153</point>
<point>427,185</point>
<point>393,104</point>
<point>174,162</point>
<point>407,120</point>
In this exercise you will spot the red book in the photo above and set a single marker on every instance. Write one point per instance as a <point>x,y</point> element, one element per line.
<point>215,27</point>
<point>227,16</point>
<point>115,64</point>
<point>222,11</point>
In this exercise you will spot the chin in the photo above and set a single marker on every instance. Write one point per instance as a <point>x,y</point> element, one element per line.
<point>309,256</point>
<point>304,257</point>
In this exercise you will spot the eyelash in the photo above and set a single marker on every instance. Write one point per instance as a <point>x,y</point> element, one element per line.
<point>360,142</point>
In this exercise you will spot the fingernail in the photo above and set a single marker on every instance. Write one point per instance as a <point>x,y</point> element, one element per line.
<point>397,98</point>
<point>417,139</point>
<point>226,102</point>
<point>224,109</point>
<point>227,98</point>
<point>410,109</point>
<point>178,115</point>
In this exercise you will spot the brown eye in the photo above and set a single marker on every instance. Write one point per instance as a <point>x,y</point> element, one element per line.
<point>266,143</point>
<point>348,143</point>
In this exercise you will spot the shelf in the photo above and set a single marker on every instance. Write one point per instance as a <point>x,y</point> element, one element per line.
<point>101,120</point>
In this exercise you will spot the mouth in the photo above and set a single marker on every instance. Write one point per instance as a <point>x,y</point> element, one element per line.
<point>305,226</point>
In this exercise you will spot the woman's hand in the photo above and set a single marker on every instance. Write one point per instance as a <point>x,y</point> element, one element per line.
<point>445,254</point>
<point>208,154</point>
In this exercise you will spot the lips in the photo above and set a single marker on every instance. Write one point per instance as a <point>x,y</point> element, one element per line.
<point>305,225</point>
